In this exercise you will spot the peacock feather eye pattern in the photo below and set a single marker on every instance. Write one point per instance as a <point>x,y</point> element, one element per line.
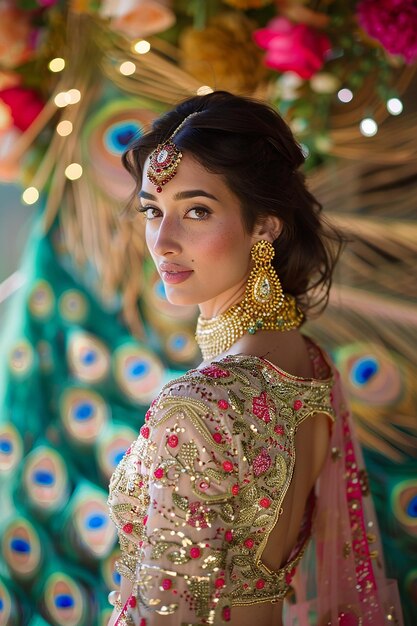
<point>88,357</point>
<point>45,480</point>
<point>84,414</point>
<point>138,371</point>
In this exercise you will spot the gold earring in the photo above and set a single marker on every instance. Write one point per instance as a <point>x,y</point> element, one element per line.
<point>264,296</point>
<point>264,307</point>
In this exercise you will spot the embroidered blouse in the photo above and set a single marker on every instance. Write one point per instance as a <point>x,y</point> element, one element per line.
<point>197,495</point>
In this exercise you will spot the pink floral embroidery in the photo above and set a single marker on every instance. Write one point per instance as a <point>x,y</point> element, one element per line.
<point>195,552</point>
<point>219,583</point>
<point>132,602</point>
<point>260,584</point>
<point>235,489</point>
<point>144,431</point>
<point>159,472</point>
<point>265,503</point>
<point>228,466</point>
<point>128,528</point>
<point>166,584</point>
<point>215,372</point>
<point>262,462</point>
<point>226,613</point>
<point>197,515</point>
<point>261,407</point>
<point>289,576</point>
<point>223,404</point>
<point>217,437</point>
<point>172,441</point>
<point>279,429</point>
<point>228,535</point>
<point>249,542</point>
<point>297,405</point>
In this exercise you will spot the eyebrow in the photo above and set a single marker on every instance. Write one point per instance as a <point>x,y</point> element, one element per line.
<point>181,195</point>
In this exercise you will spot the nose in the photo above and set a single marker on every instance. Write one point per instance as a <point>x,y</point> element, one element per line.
<point>166,240</point>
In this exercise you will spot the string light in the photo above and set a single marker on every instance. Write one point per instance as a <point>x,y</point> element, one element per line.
<point>63,98</point>
<point>30,195</point>
<point>395,106</point>
<point>204,90</point>
<point>73,171</point>
<point>345,95</point>
<point>73,96</point>
<point>142,46</point>
<point>127,68</point>
<point>56,65</point>
<point>64,128</point>
<point>368,127</point>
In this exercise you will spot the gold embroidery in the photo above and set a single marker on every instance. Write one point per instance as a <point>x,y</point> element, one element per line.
<point>212,508</point>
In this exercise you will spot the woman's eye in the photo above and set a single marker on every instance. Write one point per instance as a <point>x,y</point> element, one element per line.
<point>150,212</point>
<point>198,213</point>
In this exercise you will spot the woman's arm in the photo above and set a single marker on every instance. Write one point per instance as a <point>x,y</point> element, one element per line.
<point>187,475</point>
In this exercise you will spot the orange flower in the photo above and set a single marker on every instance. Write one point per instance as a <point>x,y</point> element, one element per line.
<point>223,55</point>
<point>15,31</point>
<point>139,18</point>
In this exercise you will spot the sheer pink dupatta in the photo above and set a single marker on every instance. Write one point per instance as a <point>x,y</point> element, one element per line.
<point>340,580</point>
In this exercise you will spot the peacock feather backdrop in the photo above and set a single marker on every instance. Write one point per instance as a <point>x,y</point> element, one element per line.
<point>90,337</point>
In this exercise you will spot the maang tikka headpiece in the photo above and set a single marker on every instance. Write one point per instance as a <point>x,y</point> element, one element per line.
<point>164,160</point>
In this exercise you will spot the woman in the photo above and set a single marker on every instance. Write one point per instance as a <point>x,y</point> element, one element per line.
<point>244,486</point>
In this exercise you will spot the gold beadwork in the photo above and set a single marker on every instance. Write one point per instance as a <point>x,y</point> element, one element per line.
<point>164,160</point>
<point>264,307</point>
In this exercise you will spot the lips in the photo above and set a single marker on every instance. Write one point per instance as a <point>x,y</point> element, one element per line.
<point>173,268</point>
<point>172,273</point>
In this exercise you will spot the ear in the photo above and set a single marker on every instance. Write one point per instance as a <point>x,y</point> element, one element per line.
<point>268,228</point>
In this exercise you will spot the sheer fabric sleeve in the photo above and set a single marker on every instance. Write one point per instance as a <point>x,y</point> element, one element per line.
<point>177,528</point>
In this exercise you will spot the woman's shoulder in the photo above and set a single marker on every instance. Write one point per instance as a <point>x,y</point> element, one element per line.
<point>237,382</point>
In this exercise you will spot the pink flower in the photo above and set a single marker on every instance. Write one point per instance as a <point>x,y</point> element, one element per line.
<point>293,47</point>
<point>393,23</point>
<point>24,105</point>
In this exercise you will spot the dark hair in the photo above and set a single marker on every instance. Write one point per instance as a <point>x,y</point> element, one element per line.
<point>250,145</point>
